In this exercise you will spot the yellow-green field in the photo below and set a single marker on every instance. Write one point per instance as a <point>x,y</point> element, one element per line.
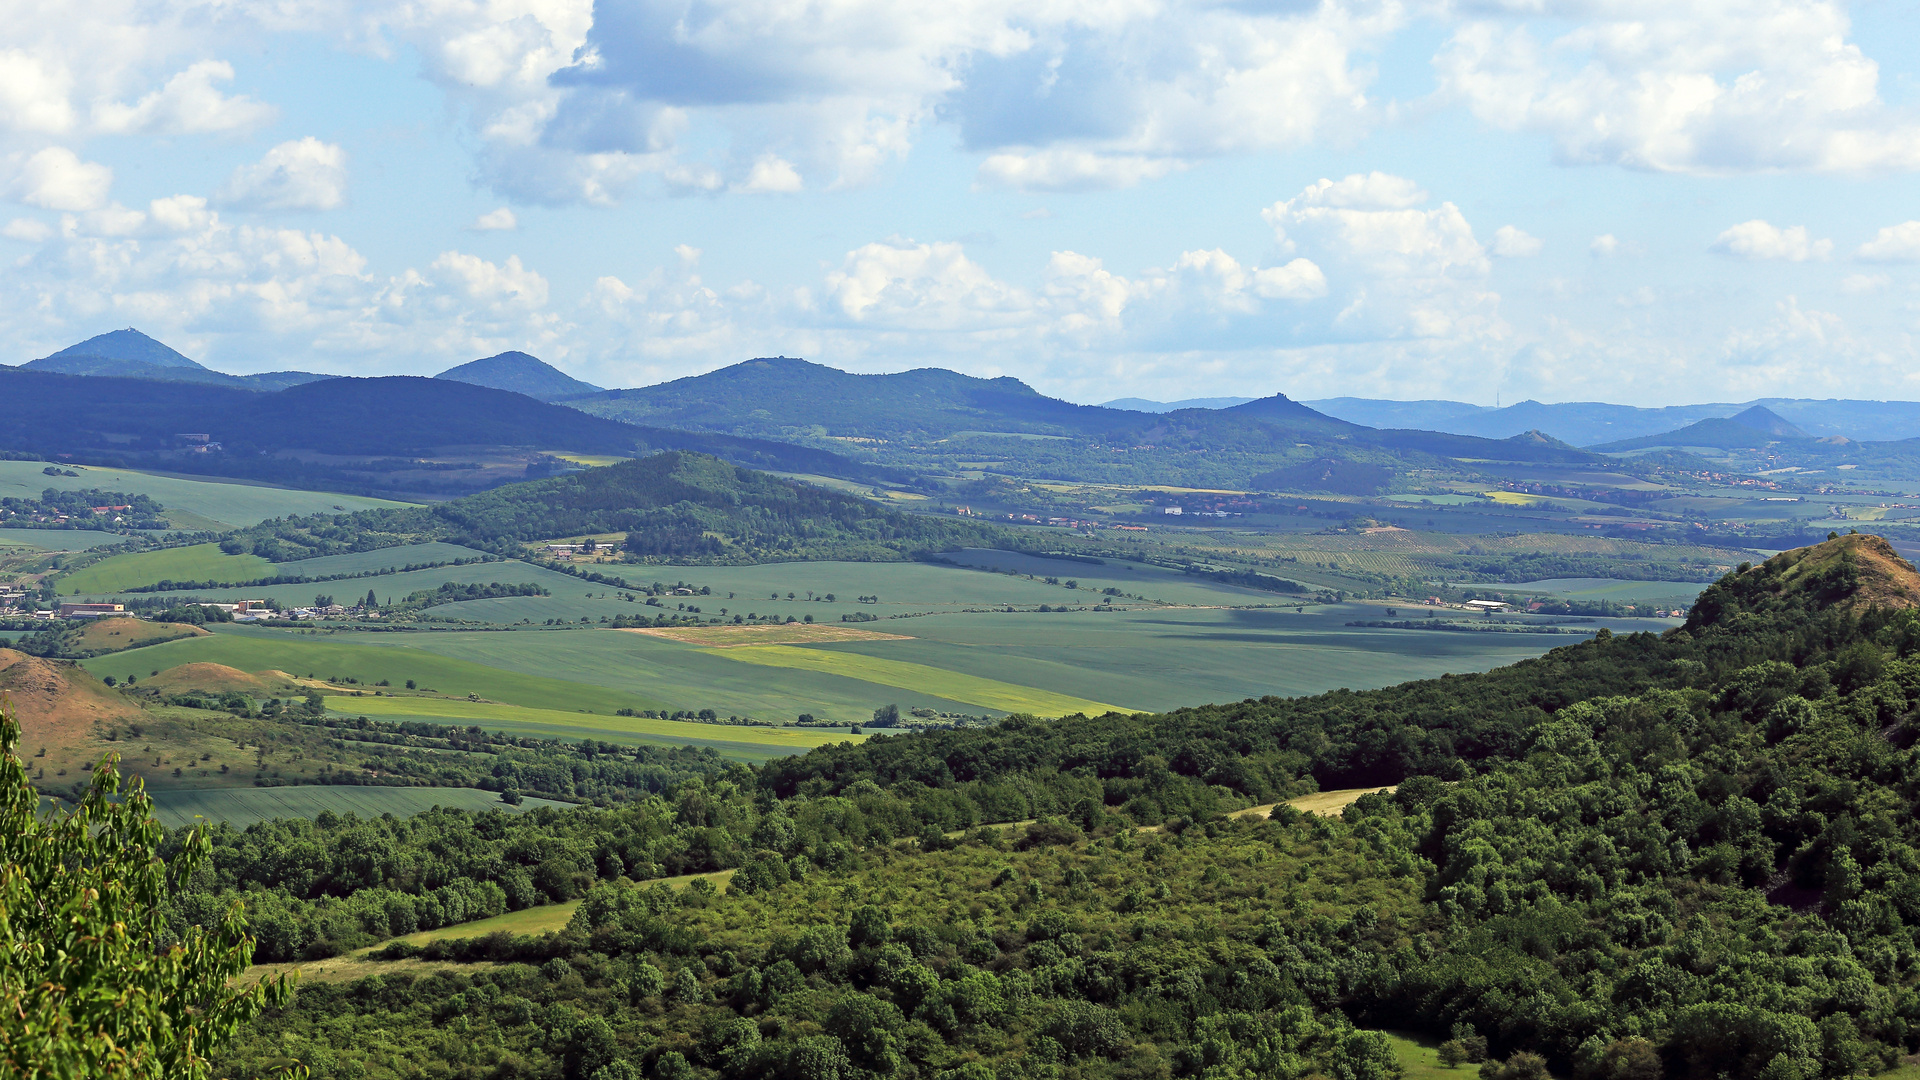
<point>591,461</point>
<point>200,562</point>
<point>953,685</point>
<point>741,741</point>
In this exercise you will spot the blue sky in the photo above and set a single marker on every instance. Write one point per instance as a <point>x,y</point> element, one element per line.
<point>1616,200</point>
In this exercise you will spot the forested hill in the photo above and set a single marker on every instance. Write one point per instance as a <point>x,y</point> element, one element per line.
<point>786,398</point>
<point>1639,857</point>
<point>674,504</point>
<point>136,422</point>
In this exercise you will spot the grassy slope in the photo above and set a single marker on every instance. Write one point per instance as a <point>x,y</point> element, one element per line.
<point>394,586</point>
<point>324,657</point>
<point>751,743</point>
<point>199,562</point>
<point>129,633</point>
<point>57,539</point>
<point>227,503</point>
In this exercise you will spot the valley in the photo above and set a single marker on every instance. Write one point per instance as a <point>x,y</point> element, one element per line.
<point>959,731</point>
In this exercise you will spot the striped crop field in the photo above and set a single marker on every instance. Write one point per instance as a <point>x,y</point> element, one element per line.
<point>953,685</point>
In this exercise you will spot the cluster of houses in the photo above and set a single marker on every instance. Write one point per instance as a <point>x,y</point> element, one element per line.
<point>113,515</point>
<point>242,611</point>
<point>12,599</point>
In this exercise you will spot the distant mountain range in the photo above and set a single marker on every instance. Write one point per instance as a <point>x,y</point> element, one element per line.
<point>103,396</point>
<point>1136,404</point>
<point>781,397</point>
<point>338,431</point>
<point>1752,429</point>
<point>1592,423</point>
<point>522,374</point>
<point>131,354</point>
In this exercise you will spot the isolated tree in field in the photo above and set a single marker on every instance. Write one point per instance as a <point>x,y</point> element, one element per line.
<point>91,984</point>
<point>886,716</point>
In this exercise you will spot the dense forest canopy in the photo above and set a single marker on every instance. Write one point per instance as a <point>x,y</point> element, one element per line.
<point>669,505</point>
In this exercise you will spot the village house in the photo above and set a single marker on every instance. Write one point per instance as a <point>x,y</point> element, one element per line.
<point>90,611</point>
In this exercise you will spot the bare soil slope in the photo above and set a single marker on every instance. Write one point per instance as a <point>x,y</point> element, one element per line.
<point>60,705</point>
<point>1852,572</point>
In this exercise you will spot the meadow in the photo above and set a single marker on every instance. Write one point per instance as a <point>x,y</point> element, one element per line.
<point>112,576</point>
<point>57,539</point>
<point>325,656</point>
<point>902,588</point>
<point>209,502</point>
<point>1627,592</point>
<point>748,743</point>
<point>196,562</point>
<point>241,807</point>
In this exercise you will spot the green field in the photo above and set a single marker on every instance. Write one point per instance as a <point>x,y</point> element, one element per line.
<point>953,685</point>
<point>1626,592</point>
<point>1420,1059</point>
<point>683,676</point>
<point>1168,658</point>
<point>198,562</point>
<point>749,743</point>
<point>568,590</point>
<point>211,502</point>
<point>326,656</point>
<point>903,589</point>
<point>57,539</point>
<point>241,807</point>
<point>366,562</point>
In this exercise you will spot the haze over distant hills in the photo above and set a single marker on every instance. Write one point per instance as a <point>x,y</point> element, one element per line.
<point>1590,423</point>
<point>1755,427</point>
<point>1135,404</point>
<point>522,374</point>
<point>131,354</point>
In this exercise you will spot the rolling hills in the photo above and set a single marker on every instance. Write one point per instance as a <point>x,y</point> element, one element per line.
<point>934,419</point>
<point>348,434</point>
<point>1749,429</point>
<point>520,373</point>
<point>675,505</point>
<point>131,354</point>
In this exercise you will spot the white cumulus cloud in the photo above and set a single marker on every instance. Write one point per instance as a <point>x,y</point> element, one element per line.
<point>188,104</point>
<point>35,93</point>
<point>1695,86</point>
<point>57,179</point>
<point>303,174</point>
<point>771,173</point>
<point>30,230</point>
<point>1894,243</point>
<point>498,220</point>
<point>1512,243</point>
<point>1758,240</point>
